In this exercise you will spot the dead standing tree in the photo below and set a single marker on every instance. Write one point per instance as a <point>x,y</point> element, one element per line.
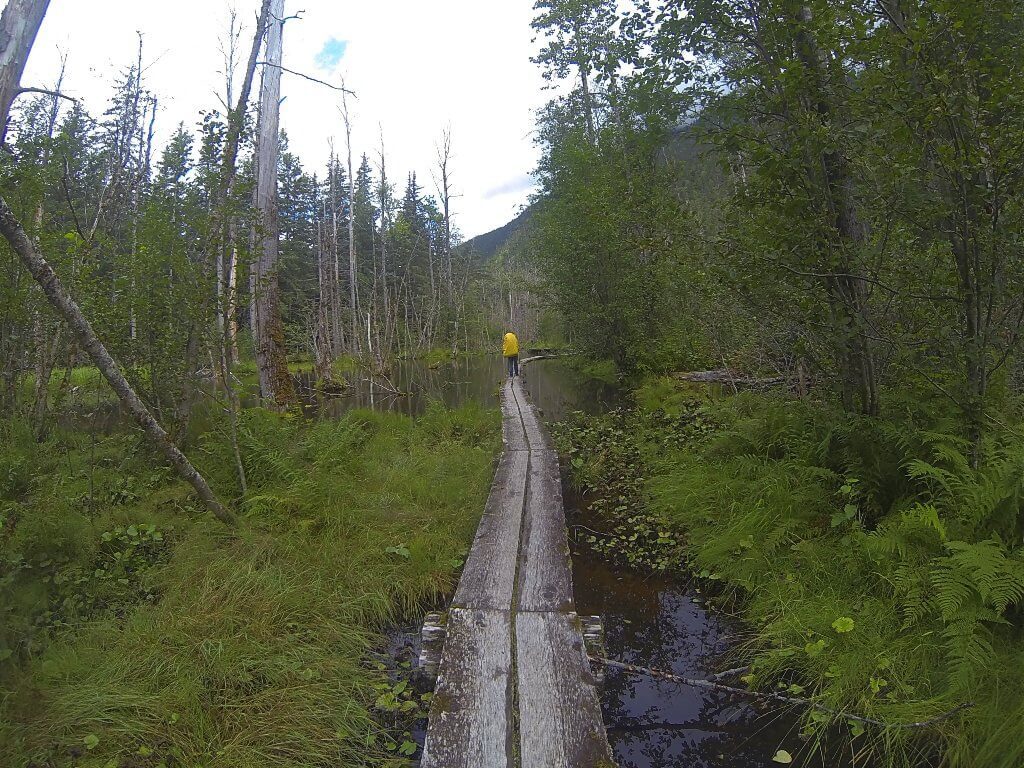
<point>19,25</point>
<point>223,231</point>
<point>353,288</point>
<point>268,334</point>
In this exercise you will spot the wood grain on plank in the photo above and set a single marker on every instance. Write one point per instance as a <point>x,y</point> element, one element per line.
<point>471,725</point>
<point>559,713</point>
<point>513,436</point>
<point>489,576</point>
<point>545,573</point>
<point>536,435</point>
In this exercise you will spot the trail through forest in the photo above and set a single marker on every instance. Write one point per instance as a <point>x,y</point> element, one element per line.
<point>246,400</point>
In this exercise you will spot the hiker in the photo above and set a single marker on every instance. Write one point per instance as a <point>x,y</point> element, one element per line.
<point>510,349</point>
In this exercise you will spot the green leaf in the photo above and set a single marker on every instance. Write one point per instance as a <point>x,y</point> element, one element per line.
<point>843,624</point>
<point>815,649</point>
<point>407,747</point>
<point>91,741</point>
<point>782,756</point>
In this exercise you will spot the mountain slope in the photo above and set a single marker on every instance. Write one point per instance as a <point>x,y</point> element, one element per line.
<point>486,245</point>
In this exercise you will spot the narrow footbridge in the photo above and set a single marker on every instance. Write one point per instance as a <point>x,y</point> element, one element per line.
<point>514,686</point>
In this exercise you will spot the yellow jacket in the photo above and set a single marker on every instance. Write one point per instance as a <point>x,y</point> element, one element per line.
<point>510,346</point>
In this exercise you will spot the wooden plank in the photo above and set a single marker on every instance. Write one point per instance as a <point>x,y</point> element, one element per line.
<point>471,723</point>
<point>559,713</point>
<point>539,709</point>
<point>513,436</point>
<point>536,435</point>
<point>545,573</point>
<point>488,578</point>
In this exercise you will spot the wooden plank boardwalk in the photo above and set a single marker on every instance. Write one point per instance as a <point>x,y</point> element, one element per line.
<point>514,687</point>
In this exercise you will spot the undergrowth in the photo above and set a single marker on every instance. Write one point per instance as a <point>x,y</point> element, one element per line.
<point>136,631</point>
<point>880,574</point>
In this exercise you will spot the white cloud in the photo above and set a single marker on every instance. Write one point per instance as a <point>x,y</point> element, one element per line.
<point>416,67</point>
<point>515,186</point>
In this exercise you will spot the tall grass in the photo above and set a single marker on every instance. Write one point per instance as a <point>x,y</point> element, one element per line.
<point>251,650</point>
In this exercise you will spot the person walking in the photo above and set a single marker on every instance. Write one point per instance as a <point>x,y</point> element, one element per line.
<point>510,349</point>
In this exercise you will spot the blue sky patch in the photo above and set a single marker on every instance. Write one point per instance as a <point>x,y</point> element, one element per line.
<point>331,53</point>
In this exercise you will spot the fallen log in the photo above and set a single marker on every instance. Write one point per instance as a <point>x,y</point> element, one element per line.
<point>727,376</point>
<point>544,356</point>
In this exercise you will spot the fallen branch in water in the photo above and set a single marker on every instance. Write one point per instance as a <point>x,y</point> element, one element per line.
<point>591,530</point>
<point>386,384</point>
<point>770,695</point>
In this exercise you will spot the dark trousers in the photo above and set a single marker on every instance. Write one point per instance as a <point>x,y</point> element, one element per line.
<point>513,365</point>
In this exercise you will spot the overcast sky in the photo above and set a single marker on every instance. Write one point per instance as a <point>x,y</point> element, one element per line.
<point>416,68</point>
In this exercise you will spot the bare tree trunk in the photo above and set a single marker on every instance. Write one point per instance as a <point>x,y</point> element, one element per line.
<point>271,360</point>
<point>337,331</point>
<point>849,292</point>
<point>444,154</point>
<point>19,25</point>
<point>583,65</point>
<point>353,288</point>
<point>323,356</point>
<point>384,200</point>
<point>47,339</point>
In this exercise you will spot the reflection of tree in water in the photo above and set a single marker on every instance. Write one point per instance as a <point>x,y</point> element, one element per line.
<point>557,389</point>
<point>553,386</point>
<point>654,623</point>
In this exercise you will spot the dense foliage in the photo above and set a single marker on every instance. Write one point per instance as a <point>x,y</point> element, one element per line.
<point>832,188</point>
<point>826,195</point>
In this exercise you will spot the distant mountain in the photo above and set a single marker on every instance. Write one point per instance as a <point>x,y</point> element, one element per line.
<point>486,245</point>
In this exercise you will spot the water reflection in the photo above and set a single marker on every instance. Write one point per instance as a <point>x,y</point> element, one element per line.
<point>554,386</point>
<point>557,389</point>
<point>653,622</point>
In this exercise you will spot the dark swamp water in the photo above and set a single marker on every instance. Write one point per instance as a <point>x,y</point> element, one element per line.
<point>657,622</point>
<point>555,387</point>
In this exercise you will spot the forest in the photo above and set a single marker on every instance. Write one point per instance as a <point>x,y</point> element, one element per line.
<point>789,233</point>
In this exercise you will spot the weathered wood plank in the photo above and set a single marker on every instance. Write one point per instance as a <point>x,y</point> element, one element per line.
<point>536,435</point>
<point>545,573</point>
<point>471,725</point>
<point>559,712</point>
<point>539,709</point>
<point>489,576</point>
<point>513,436</point>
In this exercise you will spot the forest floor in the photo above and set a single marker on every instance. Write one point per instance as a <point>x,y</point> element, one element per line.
<point>849,547</point>
<point>137,631</point>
